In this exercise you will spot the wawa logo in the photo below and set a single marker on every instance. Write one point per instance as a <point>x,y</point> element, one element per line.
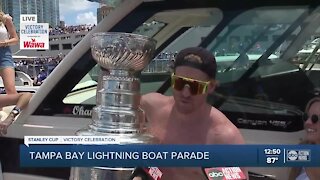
<point>33,44</point>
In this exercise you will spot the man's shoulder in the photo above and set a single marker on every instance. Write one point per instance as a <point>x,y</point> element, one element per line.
<point>218,117</point>
<point>155,100</point>
<point>156,97</point>
<point>227,132</point>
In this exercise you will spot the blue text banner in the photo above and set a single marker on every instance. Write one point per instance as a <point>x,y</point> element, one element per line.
<point>170,155</point>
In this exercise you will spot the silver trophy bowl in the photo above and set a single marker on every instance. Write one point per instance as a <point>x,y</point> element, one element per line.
<point>117,113</point>
<point>124,51</point>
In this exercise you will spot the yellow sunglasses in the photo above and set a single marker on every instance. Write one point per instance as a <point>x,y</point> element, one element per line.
<point>196,86</point>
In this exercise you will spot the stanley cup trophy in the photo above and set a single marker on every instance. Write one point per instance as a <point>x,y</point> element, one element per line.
<point>117,112</point>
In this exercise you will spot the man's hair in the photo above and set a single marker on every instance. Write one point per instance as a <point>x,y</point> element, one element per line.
<point>199,58</point>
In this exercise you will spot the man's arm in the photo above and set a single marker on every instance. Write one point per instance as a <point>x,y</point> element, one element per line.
<point>231,135</point>
<point>225,132</point>
<point>151,102</point>
<point>147,101</point>
<point>235,137</point>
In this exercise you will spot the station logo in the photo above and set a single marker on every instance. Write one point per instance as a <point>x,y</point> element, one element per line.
<point>292,155</point>
<point>224,173</point>
<point>216,174</point>
<point>298,155</point>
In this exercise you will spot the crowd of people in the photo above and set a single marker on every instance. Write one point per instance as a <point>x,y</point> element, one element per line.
<point>161,63</point>
<point>166,55</point>
<point>39,61</point>
<point>38,69</point>
<point>71,29</point>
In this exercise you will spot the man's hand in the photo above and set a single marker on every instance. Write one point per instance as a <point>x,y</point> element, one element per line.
<point>5,124</point>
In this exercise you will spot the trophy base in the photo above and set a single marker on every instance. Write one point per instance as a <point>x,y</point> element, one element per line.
<point>100,173</point>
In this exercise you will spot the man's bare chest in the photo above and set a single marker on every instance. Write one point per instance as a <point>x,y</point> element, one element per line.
<point>172,134</point>
<point>170,130</point>
<point>186,136</point>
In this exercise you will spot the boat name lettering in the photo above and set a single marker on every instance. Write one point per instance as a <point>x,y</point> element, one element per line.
<point>81,111</point>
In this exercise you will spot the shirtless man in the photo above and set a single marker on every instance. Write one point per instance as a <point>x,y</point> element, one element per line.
<point>186,117</point>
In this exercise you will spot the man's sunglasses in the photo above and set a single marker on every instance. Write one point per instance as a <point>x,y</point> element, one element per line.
<point>314,118</point>
<point>196,87</point>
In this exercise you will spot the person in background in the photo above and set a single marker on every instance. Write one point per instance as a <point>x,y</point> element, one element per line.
<point>186,117</point>
<point>312,136</point>
<point>40,78</point>
<point>21,100</point>
<point>8,37</point>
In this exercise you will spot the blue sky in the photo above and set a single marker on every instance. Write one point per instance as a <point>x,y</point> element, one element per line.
<point>75,12</point>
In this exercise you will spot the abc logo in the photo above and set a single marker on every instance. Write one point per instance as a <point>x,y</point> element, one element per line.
<point>216,174</point>
<point>292,155</point>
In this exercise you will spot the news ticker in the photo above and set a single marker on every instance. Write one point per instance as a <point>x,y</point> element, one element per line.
<point>86,151</point>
